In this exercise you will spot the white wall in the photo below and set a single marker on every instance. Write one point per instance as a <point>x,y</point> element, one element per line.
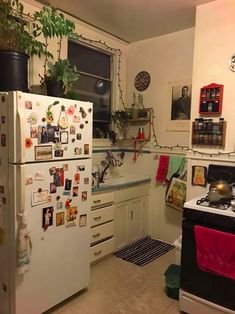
<point>213,48</point>
<point>167,58</point>
<point>214,45</point>
<point>89,32</point>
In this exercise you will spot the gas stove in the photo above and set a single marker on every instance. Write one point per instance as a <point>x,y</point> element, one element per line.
<point>203,204</point>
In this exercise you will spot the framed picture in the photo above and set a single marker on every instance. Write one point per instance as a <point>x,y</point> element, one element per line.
<point>176,194</point>
<point>43,152</point>
<point>199,175</point>
<point>179,106</point>
<point>64,138</point>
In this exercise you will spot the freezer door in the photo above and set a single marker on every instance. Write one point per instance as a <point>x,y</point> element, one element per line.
<point>45,128</point>
<point>56,199</point>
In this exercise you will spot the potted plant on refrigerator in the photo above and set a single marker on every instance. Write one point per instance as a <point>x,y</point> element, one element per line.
<point>19,39</point>
<point>59,76</point>
<point>59,79</point>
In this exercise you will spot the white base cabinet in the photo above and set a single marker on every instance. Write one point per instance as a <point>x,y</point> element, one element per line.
<point>118,218</point>
<point>130,221</point>
<point>131,216</point>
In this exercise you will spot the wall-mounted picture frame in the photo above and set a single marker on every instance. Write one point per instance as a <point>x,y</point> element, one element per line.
<point>179,106</point>
<point>199,175</point>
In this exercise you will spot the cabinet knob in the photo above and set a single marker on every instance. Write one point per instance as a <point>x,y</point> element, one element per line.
<point>96,201</point>
<point>97,253</point>
<point>96,235</point>
<point>97,218</point>
<point>131,214</point>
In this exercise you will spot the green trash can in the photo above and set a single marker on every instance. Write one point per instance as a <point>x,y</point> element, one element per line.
<point>172,280</point>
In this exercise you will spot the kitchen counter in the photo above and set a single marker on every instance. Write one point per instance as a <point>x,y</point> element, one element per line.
<point>119,183</point>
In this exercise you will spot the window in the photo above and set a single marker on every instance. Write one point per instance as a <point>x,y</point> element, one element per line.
<point>94,83</point>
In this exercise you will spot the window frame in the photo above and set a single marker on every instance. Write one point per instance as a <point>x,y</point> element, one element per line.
<point>112,79</point>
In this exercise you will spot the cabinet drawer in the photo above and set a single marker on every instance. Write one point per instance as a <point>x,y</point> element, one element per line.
<point>100,200</point>
<point>101,249</point>
<point>99,216</point>
<point>102,232</point>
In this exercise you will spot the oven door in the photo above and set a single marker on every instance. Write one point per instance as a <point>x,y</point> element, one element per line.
<point>206,285</point>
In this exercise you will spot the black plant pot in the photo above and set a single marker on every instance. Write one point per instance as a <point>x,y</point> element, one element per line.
<point>54,88</point>
<point>14,71</point>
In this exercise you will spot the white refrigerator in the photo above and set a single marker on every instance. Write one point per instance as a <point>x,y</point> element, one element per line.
<point>45,190</point>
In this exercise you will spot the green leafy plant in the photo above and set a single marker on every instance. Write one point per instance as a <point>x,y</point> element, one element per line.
<point>30,34</point>
<point>19,31</point>
<point>62,71</point>
<point>121,121</point>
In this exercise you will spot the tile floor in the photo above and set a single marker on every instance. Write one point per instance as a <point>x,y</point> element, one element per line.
<point>120,287</point>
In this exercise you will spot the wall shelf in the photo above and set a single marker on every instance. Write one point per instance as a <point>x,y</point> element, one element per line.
<point>206,132</point>
<point>211,97</point>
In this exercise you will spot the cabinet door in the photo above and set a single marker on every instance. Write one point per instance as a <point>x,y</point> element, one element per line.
<point>136,219</point>
<point>121,225</point>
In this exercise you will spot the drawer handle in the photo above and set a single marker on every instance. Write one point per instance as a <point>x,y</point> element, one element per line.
<point>98,253</point>
<point>97,218</point>
<point>96,235</point>
<point>96,201</point>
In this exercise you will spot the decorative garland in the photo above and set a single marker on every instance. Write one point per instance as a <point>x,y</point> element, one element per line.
<point>118,52</point>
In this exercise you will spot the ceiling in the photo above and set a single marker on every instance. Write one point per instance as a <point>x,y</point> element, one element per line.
<point>133,20</point>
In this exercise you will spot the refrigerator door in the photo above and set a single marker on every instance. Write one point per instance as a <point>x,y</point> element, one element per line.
<point>42,128</point>
<point>56,199</point>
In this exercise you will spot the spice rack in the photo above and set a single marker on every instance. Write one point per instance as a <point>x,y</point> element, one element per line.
<point>206,132</point>
<point>211,97</point>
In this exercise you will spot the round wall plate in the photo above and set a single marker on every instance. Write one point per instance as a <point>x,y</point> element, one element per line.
<point>142,81</point>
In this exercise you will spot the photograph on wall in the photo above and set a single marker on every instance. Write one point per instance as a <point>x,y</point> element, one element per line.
<point>176,194</point>
<point>179,105</point>
<point>199,175</point>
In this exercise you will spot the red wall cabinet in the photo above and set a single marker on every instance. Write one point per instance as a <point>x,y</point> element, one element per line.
<point>211,97</point>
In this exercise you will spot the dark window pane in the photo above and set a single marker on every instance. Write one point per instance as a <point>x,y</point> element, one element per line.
<point>81,56</point>
<point>98,92</point>
<point>95,85</point>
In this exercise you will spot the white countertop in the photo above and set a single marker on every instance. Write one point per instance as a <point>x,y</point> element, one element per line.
<point>122,182</point>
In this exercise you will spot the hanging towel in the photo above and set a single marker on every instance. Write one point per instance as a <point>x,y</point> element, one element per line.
<point>215,251</point>
<point>176,166</point>
<point>162,169</point>
<point>24,246</point>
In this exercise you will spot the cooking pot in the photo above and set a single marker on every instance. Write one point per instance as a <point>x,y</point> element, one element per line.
<point>220,190</point>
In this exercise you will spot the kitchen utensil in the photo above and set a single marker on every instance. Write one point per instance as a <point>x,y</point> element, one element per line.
<point>214,195</point>
<point>224,189</point>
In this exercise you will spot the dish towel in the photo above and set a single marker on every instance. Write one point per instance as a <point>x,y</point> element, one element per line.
<point>24,247</point>
<point>215,251</point>
<point>162,169</point>
<point>176,166</point>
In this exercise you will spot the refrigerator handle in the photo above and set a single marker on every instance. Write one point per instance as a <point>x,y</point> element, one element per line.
<point>20,142</point>
<point>21,190</point>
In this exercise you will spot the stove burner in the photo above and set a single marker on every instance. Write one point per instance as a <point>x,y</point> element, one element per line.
<point>222,204</point>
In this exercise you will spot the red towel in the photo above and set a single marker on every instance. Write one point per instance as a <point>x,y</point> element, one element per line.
<point>162,169</point>
<point>215,251</point>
